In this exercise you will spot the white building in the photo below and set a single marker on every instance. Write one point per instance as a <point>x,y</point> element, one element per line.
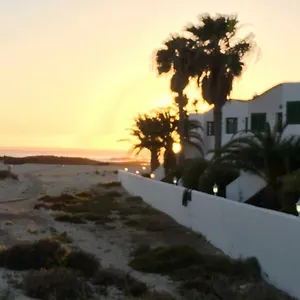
<point>278,104</point>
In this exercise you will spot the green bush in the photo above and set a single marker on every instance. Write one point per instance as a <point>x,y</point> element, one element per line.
<point>113,194</point>
<point>289,192</point>
<point>59,284</point>
<point>4,174</point>
<point>220,174</point>
<point>37,255</point>
<point>45,254</point>
<point>147,175</point>
<point>74,219</point>
<point>111,184</point>
<point>185,262</point>
<point>192,173</point>
<point>84,262</point>
<point>124,282</point>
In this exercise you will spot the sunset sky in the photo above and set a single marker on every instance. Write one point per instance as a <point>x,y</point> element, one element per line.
<point>73,73</point>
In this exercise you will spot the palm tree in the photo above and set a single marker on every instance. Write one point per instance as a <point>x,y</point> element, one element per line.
<point>146,131</point>
<point>220,60</point>
<point>176,57</point>
<point>158,131</point>
<point>266,154</point>
<point>170,125</point>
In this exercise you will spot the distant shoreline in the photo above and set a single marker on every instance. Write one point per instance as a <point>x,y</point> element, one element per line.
<point>63,160</point>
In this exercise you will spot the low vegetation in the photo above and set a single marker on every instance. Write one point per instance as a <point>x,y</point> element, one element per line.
<point>46,254</point>
<point>70,219</point>
<point>59,284</point>
<point>83,208</point>
<point>122,281</point>
<point>6,174</point>
<point>203,275</point>
<point>111,184</point>
<point>54,272</point>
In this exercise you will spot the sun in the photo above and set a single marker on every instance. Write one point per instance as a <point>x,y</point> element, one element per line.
<point>164,101</point>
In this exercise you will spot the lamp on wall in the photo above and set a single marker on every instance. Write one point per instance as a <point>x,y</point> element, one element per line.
<point>126,169</point>
<point>137,172</point>
<point>152,176</point>
<point>175,180</point>
<point>215,189</point>
<point>144,168</point>
<point>298,206</point>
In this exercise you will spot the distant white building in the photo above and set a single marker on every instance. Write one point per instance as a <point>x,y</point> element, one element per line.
<point>278,104</point>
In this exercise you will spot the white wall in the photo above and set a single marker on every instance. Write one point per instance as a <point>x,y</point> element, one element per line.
<point>270,102</point>
<point>240,230</point>
<point>291,92</point>
<point>159,173</point>
<point>244,187</point>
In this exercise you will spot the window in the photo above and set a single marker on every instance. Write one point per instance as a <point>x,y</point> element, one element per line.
<point>246,124</point>
<point>210,128</point>
<point>279,121</point>
<point>258,121</point>
<point>293,112</point>
<point>231,125</point>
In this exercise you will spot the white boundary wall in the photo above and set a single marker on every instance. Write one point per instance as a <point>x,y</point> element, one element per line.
<point>238,229</point>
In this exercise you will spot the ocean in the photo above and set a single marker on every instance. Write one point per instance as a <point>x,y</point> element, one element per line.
<point>99,155</point>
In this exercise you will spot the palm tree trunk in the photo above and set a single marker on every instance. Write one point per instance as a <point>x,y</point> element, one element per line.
<point>154,160</point>
<point>181,127</point>
<point>218,126</point>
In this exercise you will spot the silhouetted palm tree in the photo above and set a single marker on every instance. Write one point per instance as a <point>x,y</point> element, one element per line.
<point>220,59</point>
<point>266,154</point>
<point>170,131</point>
<point>158,131</point>
<point>176,57</point>
<point>146,133</point>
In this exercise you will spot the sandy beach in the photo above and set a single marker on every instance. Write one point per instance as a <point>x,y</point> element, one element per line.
<point>86,209</point>
<point>20,222</point>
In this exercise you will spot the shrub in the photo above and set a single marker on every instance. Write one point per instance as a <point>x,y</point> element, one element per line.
<point>84,262</point>
<point>220,174</point>
<point>290,192</point>
<point>171,260</point>
<point>111,184</point>
<point>4,174</point>
<point>64,198</point>
<point>134,199</point>
<point>84,195</point>
<point>156,296</point>
<point>192,173</point>
<point>113,194</point>
<point>61,237</point>
<point>70,219</point>
<point>59,284</point>
<point>7,294</point>
<point>140,250</point>
<point>37,255</point>
<point>147,175</point>
<point>124,282</point>
<point>40,205</point>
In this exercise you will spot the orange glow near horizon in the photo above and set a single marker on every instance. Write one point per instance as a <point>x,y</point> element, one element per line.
<point>74,73</point>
